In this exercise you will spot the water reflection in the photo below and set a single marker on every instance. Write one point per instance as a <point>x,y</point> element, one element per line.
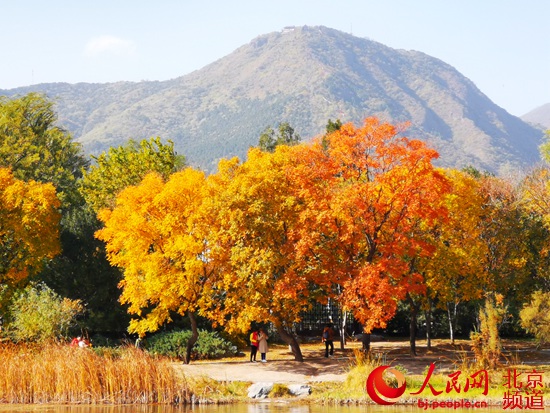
<point>232,408</point>
<point>288,408</point>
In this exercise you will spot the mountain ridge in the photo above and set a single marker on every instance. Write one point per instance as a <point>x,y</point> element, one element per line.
<point>303,76</point>
<point>539,116</point>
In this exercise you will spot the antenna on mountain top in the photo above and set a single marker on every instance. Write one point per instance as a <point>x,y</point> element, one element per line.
<point>351,29</point>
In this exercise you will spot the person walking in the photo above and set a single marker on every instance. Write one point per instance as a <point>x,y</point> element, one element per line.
<point>262,344</point>
<point>253,345</point>
<point>328,339</point>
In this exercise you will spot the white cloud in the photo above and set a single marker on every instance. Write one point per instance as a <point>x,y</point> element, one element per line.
<point>109,45</point>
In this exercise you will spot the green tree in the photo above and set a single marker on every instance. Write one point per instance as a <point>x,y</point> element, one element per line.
<point>38,313</point>
<point>270,139</point>
<point>333,126</point>
<point>127,165</point>
<point>35,147</point>
<point>85,272</point>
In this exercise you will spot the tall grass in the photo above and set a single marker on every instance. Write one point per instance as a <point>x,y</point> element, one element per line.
<point>63,374</point>
<point>353,387</point>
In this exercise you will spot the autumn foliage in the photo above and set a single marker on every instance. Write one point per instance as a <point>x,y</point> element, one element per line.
<point>358,218</point>
<point>257,209</point>
<point>29,226</point>
<point>341,217</point>
<point>154,236</point>
<point>370,194</point>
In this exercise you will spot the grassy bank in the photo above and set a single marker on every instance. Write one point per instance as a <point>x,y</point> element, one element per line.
<point>63,374</point>
<point>465,381</point>
<point>455,366</point>
<point>352,392</point>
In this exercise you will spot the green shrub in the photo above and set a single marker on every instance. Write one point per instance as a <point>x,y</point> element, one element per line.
<point>174,344</point>
<point>39,314</point>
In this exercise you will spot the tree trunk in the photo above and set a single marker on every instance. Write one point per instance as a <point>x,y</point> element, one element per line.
<point>452,317</point>
<point>291,341</point>
<point>455,318</point>
<point>429,326</point>
<point>412,331</point>
<point>192,339</point>
<point>412,325</point>
<point>343,330</point>
<point>365,341</point>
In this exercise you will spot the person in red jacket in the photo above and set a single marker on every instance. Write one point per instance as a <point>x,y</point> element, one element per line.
<point>253,345</point>
<point>328,339</point>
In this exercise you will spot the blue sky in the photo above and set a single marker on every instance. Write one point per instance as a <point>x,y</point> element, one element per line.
<point>503,46</point>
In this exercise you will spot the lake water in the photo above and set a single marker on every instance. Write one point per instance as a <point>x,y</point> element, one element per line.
<point>237,408</point>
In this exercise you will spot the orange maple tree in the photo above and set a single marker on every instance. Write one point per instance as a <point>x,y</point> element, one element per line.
<point>261,240</point>
<point>369,193</point>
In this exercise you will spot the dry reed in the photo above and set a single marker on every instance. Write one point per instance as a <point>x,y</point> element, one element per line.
<point>63,374</point>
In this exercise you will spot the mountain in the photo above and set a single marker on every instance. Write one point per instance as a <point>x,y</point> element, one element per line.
<point>539,116</point>
<point>304,76</point>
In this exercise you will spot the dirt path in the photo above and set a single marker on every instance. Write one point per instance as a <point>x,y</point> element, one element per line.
<point>281,367</point>
<point>275,371</point>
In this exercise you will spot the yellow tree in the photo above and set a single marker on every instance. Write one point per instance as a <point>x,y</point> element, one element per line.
<point>257,210</point>
<point>35,147</point>
<point>369,194</point>
<point>455,273</point>
<point>534,192</point>
<point>157,235</point>
<point>535,198</point>
<point>535,201</point>
<point>486,248</point>
<point>29,227</point>
<point>507,266</point>
<point>507,229</point>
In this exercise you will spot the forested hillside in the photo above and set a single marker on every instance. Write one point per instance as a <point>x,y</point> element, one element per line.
<point>303,76</point>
